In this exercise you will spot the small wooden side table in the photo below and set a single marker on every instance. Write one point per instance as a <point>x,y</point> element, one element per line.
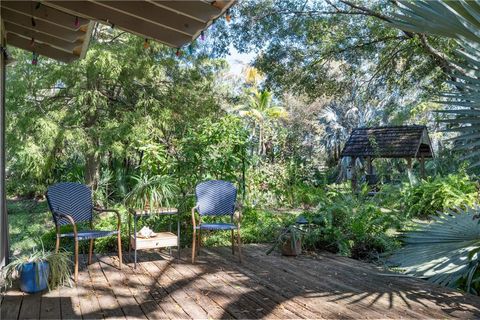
<point>160,240</point>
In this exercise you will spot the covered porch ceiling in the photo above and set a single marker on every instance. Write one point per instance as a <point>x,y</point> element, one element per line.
<point>61,29</point>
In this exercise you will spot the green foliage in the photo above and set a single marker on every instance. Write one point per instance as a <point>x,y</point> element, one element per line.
<point>152,192</point>
<point>445,250</point>
<point>354,226</point>
<point>59,264</point>
<point>459,21</point>
<point>440,194</point>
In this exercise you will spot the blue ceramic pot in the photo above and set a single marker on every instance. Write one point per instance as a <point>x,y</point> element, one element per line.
<point>34,276</point>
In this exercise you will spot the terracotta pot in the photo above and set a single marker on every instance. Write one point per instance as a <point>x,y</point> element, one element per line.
<point>292,250</point>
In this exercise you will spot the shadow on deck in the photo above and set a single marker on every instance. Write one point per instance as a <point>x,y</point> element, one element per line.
<point>325,286</point>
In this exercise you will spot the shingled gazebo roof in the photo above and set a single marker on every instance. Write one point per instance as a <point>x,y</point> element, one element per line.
<point>389,142</point>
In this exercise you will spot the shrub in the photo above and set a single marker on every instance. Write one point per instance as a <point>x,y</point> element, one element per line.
<point>354,226</point>
<point>437,195</point>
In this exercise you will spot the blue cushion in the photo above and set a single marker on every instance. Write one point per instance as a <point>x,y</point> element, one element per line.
<point>90,234</point>
<point>217,226</point>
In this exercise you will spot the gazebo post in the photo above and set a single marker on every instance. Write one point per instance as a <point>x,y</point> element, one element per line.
<point>369,165</point>
<point>354,174</point>
<point>422,166</point>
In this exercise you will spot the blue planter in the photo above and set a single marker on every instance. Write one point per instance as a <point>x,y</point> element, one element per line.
<point>34,277</point>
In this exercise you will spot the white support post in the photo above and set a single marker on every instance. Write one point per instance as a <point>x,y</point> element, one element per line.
<point>4,243</point>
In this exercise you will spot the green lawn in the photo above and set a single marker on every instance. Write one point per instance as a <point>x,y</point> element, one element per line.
<point>29,220</point>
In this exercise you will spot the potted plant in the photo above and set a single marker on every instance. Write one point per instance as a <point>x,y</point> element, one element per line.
<point>38,271</point>
<point>151,192</point>
<point>289,240</point>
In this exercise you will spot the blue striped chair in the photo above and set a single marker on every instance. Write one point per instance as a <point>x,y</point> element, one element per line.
<point>215,198</point>
<point>71,203</point>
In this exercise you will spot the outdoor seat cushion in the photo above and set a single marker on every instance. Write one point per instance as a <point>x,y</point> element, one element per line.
<point>217,226</point>
<point>90,234</point>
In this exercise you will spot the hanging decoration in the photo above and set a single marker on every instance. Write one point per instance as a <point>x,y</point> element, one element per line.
<point>77,22</point>
<point>37,6</point>
<point>34,58</point>
<point>32,42</point>
<point>178,53</point>
<point>202,36</point>
<point>146,45</point>
<point>228,17</point>
<point>190,48</point>
<point>34,24</point>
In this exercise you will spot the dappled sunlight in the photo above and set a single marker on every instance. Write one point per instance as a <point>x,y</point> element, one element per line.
<point>326,286</point>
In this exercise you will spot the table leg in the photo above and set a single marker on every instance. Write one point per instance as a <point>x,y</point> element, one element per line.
<point>129,235</point>
<point>178,235</point>
<point>135,237</point>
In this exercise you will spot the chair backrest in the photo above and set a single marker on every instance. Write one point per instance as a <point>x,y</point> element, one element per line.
<point>74,199</point>
<point>216,198</point>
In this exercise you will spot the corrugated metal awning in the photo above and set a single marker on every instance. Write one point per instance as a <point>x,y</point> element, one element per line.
<point>61,29</point>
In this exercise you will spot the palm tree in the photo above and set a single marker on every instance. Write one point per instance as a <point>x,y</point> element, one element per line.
<point>261,111</point>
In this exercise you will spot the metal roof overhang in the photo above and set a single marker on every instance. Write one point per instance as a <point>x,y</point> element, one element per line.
<point>61,29</point>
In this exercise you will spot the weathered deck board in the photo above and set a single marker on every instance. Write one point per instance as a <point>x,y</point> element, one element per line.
<point>274,287</point>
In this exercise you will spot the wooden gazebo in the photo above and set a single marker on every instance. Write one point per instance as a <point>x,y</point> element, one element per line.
<point>407,142</point>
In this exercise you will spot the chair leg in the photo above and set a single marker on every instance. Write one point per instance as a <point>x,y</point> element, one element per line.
<point>194,241</point>
<point>57,244</point>
<point>119,244</point>
<point>75,275</point>
<point>90,251</point>
<point>199,241</point>
<point>239,245</point>
<point>233,242</point>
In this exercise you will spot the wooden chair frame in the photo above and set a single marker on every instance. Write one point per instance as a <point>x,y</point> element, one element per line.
<point>75,238</point>
<point>197,236</point>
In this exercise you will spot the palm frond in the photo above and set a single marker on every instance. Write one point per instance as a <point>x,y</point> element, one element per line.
<point>443,250</point>
<point>459,20</point>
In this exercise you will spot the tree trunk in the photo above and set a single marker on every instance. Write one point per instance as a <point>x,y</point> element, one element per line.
<point>92,165</point>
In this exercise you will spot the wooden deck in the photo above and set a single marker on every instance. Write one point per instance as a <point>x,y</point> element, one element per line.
<point>325,286</point>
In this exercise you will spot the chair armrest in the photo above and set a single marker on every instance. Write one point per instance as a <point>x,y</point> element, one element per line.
<point>119,220</point>
<point>70,219</point>
<point>238,212</point>
<point>66,216</point>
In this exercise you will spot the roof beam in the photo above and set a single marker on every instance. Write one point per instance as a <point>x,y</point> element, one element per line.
<point>42,26</point>
<point>94,11</point>
<point>199,10</point>
<point>40,48</point>
<point>155,14</point>
<point>44,13</point>
<point>42,37</point>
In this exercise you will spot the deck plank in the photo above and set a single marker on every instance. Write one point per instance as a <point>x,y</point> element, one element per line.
<point>11,305</point>
<point>218,286</point>
<point>175,289</point>
<point>162,296</point>
<point>89,306</point>
<point>30,306</point>
<point>264,298</point>
<point>370,287</point>
<point>119,285</point>
<point>106,298</point>
<point>50,307</point>
<point>69,303</point>
<point>145,292</point>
